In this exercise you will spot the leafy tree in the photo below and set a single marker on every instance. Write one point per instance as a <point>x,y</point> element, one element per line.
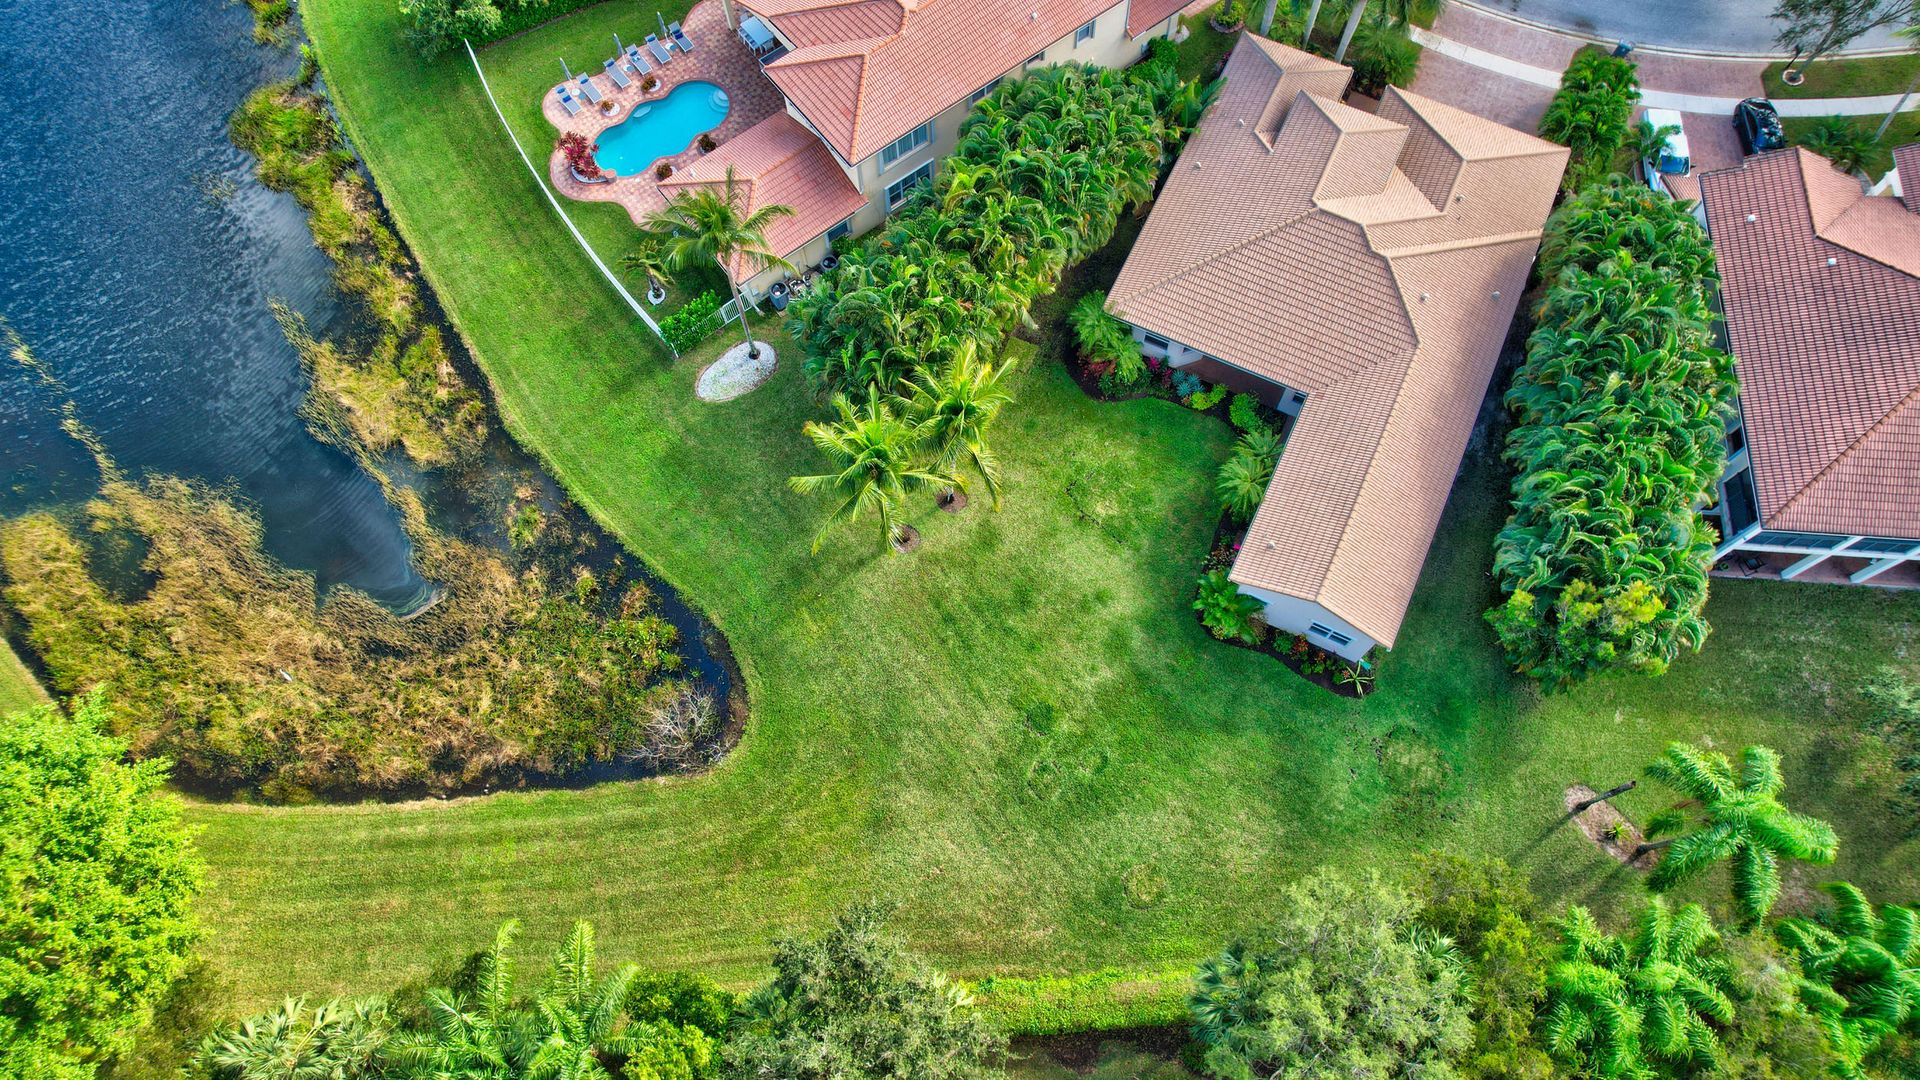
<point>1814,28</point>
<point>1841,141</point>
<point>1740,821</point>
<point>1859,971</point>
<point>434,26</point>
<point>96,878</point>
<point>708,226</point>
<point>337,1040</point>
<point>1622,1008</point>
<point>1589,114</point>
<point>952,409</point>
<point>854,1004</point>
<point>874,454</point>
<point>1227,613</point>
<point>1485,907</point>
<point>1341,983</point>
<point>1105,339</point>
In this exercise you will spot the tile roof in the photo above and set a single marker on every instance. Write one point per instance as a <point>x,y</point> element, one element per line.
<point>1373,261</point>
<point>1906,161</point>
<point>777,162</point>
<point>1821,290</point>
<point>1144,15</point>
<point>865,72</point>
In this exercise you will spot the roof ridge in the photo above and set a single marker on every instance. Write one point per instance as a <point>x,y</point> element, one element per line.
<point>1414,101</point>
<point>1446,245</point>
<point>1848,451</point>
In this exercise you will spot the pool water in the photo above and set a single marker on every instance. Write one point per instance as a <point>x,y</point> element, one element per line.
<point>657,129</point>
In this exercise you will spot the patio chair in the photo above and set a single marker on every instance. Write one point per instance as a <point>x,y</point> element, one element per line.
<point>618,76</point>
<point>679,37</point>
<point>637,61</point>
<point>567,100</point>
<point>660,52</point>
<point>592,92</point>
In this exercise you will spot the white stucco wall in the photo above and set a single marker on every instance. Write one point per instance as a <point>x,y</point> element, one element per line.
<point>1294,615</point>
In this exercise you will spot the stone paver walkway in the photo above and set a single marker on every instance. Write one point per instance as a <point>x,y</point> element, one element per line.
<point>718,57</point>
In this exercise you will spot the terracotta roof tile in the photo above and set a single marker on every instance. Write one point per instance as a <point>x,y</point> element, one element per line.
<point>1906,161</point>
<point>863,89</point>
<point>1335,258</point>
<point>1820,290</point>
<point>1144,15</point>
<point>777,162</point>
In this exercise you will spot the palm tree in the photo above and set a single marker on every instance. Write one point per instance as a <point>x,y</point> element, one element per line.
<point>478,1038</point>
<point>1912,34</point>
<point>1355,11</point>
<point>336,1039</point>
<point>1741,820</point>
<point>952,408</point>
<point>1841,141</point>
<point>1649,139</point>
<point>578,1018</point>
<point>874,456</point>
<point>1615,1007</point>
<point>648,259</point>
<point>1859,971</point>
<point>714,226</point>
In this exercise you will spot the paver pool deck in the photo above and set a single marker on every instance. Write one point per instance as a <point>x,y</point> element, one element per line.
<point>718,57</point>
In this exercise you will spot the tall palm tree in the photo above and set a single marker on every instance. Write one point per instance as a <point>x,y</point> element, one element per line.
<point>1740,820</point>
<point>579,1018</point>
<point>1912,34</point>
<point>952,408</point>
<point>1616,1007</point>
<point>875,457</point>
<point>1859,971</point>
<point>715,226</point>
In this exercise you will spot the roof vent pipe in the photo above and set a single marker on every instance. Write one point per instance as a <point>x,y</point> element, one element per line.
<point>1751,218</point>
<point>1831,261</point>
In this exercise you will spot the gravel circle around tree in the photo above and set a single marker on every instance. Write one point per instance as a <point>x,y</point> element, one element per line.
<point>735,374</point>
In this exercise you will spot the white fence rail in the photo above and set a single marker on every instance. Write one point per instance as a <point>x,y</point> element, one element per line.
<point>558,209</point>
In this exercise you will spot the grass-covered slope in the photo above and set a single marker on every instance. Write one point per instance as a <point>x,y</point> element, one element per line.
<point>1019,730</point>
<point>18,688</point>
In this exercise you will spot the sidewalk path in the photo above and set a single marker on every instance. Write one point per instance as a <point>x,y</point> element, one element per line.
<point>1549,78</point>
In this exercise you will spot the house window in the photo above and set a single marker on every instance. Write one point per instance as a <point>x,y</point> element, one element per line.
<point>1797,540</point>
<point>1736,441</point>
<point>981,93</point>
<point>1299,398</point>
<point>1036,57</point>
<point>906,144</point>
<point>898,191</point>
<point>1153,342</point>
<point>839,231</point>
<point>1085,33</point>
<point>1329,633</point>
<point>1879,546</point>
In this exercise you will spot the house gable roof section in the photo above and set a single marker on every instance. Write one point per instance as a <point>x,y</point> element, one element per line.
<point>1373,260</point>
<point>1821,290</point>
<point>776,162</point>
<point>869,71</point>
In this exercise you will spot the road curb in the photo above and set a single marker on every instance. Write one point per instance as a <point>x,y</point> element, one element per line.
<point>1661,50</point>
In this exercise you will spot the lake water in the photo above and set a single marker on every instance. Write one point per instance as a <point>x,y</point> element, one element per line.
<point>138,257</point>
<point>138,261</point>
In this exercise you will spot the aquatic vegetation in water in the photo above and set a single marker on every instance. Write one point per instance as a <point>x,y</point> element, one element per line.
<point>232,665</point>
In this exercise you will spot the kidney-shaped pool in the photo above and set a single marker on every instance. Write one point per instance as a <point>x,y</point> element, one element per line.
<point>657,129</point>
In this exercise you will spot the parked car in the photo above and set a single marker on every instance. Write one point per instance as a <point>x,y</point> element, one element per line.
<point>1673,158</point>
<point>1758,124</point>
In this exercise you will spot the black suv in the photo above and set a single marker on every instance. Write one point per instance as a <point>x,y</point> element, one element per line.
<point>1758,125</point>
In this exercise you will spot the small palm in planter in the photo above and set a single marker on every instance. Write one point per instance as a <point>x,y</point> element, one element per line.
<point>706,143</point>
<point>649,259</point>
<point>648,84</point>
<point>953,408</point>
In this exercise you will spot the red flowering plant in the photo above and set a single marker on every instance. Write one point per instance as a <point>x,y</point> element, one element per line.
<point>579,154</point>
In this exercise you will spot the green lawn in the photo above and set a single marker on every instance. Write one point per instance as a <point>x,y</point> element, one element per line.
<point>1905,129</point>
<point>996,729</point>
<point>18,688</point>
<point>1866,76</point>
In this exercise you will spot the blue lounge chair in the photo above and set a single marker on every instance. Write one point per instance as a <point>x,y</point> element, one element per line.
<point>567,100</point>
<point>615,73</point>
<point>660,52</point>
<point>679,38</point>
<point>590,91</point>
<point>637,60</point>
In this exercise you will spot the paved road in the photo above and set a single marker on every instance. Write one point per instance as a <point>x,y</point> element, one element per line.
<point>1728,26</point>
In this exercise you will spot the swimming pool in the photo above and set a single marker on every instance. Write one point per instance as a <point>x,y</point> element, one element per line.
<point>657,129</point>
